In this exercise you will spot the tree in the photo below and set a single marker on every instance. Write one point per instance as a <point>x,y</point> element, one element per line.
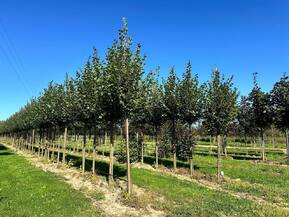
<point>280,103</point>
<point>124,71</point>
<point>67,110</point>
<point>89,88</point>
<point>172,109</point>
<point>246,124</point>
<point>140,113</point>
<point>261,110</point>
<point>156,109</point>
<point>190,100</point>
<point>220,108</point>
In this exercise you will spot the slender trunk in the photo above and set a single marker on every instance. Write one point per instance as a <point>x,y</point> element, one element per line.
<point>94,151</point>
<point>175,157</point>
<point>32,140</point>
<point>142,147</point>
<point>93,161</point>
<point>58,152</point>
<point>262,145</point>
<point>157,152</point>
<point>64,144</point>
<point>39,143</point>
<point>191,165</point>
<point>129,184</point>
<point>225,144</point>
<point>45,149</point>
<point>287,143</point>
<point>192,152</point>
<point>174,144</point>
<point>111,146</point>
<point>211,144</point>
<point>42,145</point>
<point>272,136</point>
<point>83,150</point>
<point>219,158</point>
<point>53,150</point>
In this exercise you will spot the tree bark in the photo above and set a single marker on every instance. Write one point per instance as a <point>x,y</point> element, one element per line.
<point>58,152</point>
<point>175,157</point>
<point>129,184</point>
<point>64,144</point>
<point>192,152</point>
<point>272,136</point>
<point>94,151</point>
<point>219,158</point>
<point>262,145</point>
<point>142,147</point>
<point>210,152</point>
<point>157,152</point>
<point>39,143</point>
<point>33,140</point>
<point>83,150</point>
<point>287,143</point>
<point>192,164</point>
<point>111,146</point>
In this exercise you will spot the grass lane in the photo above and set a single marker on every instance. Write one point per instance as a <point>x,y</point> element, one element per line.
<point>267,181</point>
<point>190,199</point>
<point>29,191</point>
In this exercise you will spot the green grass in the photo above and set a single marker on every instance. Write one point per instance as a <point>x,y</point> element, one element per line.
<point>267,181</point>
<point>28,191</point>
<point>189,199</point>
<point>183,198</point>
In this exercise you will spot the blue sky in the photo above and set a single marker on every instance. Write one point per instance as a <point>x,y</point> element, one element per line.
<point>42,40</point>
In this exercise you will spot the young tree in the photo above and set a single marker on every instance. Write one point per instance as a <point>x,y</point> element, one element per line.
<point>88,85</point>
<point>156,109</point>
<point>280,102</point>
<point>66,110</point>
<point>97,116</point>
<point>48,115</point>
<point>246,124</point>
<point>261,110</point>
<point>172,109</point>
<point>139,117</point>
<point>190,98</point>
<point>220,108</point>
<point>125,68</point>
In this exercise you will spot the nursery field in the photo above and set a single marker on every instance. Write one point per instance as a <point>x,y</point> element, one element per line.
<point>116,140</point>
<point>249,188</point>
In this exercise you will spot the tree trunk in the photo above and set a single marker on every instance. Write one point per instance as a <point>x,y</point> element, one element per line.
<point>129,184</point>
<point>142,148</point>
<point>83,150</point>
<point>157,152</point>
<point>64,144</point>
<point>32,140</point>
<point>225,144</point>
<point>110,173</point>
<point>219,158</point>
<point>175,157</point>
<point>94,151</point>
<point>192,164</point>
<point>210,152</point>
<point>39,143</point>
<point>262,145</point>
<point>287,143</point>
<point>58,152</point>
<point>192,152</point>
